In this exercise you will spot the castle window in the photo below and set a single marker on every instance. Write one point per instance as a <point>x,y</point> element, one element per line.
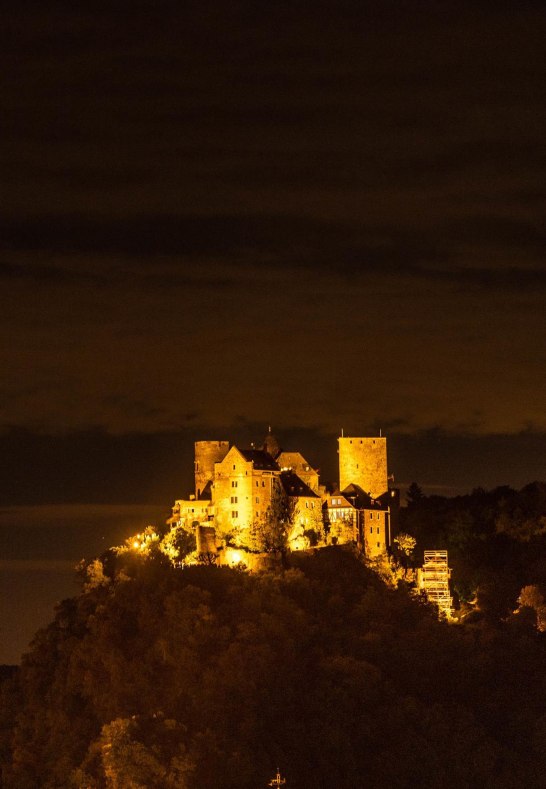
<point>377,543</point>
<point>378,529</point>
<point>307,505</point>
<point>234,514</point>
<point>234,499</point>
<point>371,529</point>
<point>378,515</point>
<point>357,465</point>
<point>263,483</point>
<point>371,515</point>
<point>257,499</point>
<point>257,484</point>
<point>233,483</point>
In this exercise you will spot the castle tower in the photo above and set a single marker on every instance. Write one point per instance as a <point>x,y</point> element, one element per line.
<point>271,445</point>
<point>363,462</point>
<point>207,453</point>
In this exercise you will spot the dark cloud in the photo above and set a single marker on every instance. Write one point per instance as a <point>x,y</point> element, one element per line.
<point>258,241</point>
<point>217,214</point>
<point>96,468</point>
<point>48,274</point>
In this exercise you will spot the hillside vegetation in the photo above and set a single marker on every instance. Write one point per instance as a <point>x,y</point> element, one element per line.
<point>209,677</point>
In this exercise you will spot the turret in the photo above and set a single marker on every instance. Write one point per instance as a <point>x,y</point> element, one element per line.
<point>207,453</point>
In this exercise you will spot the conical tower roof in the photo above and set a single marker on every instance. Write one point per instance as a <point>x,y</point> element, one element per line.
<point>271,445</point>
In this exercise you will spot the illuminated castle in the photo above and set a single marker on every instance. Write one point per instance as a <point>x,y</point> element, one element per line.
<point>237,489</point>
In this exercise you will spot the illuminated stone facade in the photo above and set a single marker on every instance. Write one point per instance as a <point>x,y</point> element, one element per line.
<point>245,482</point>
<point>363,462</point>
<point>207,454</point>
<point>238,489</point>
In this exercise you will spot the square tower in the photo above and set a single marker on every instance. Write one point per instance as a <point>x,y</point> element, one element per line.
<point>363,462</point>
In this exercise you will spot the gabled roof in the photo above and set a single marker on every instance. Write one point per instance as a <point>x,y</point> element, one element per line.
<point>260,459</point>
<point>294,486</point>
<point>362,500</point>
<point>206,493</point>
<point>294,460</point>
<point>343,502</point>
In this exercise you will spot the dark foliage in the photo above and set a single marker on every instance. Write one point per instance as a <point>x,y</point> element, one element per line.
<point>496,541</point>
<point>207,678</point>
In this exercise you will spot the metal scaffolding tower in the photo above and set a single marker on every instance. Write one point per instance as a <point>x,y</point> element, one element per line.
<point>434,581</point>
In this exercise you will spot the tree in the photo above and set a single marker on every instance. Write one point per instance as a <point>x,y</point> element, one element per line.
<point>532,597</point>
<point>414,494</point>
<point>270,532</point>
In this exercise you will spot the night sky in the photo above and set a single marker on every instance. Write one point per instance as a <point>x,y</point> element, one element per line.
<point>220,216</point>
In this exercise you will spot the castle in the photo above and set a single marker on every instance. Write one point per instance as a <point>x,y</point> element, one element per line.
<point>238,491</point>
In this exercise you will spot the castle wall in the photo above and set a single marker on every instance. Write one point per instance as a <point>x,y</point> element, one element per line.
<point>299,465</point>
<point>363,462</point>
<point>190,511</point>
<point>207,453</point>
<point>375,530</point>
<point>241,495</point>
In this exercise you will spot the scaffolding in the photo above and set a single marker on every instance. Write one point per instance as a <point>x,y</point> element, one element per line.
<point>434,581</point>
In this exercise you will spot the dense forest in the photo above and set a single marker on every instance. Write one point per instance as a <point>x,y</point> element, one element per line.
<point>209,677</point>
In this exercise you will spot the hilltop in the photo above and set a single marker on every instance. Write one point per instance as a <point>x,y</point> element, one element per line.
<point>208,677</point>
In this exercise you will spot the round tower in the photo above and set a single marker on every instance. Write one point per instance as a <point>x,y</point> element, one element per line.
<point>207,453</point>
<point>363,462</point>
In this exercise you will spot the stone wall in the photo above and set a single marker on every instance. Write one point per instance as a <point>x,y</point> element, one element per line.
<point>363,462</point>
<point>207,453</point>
